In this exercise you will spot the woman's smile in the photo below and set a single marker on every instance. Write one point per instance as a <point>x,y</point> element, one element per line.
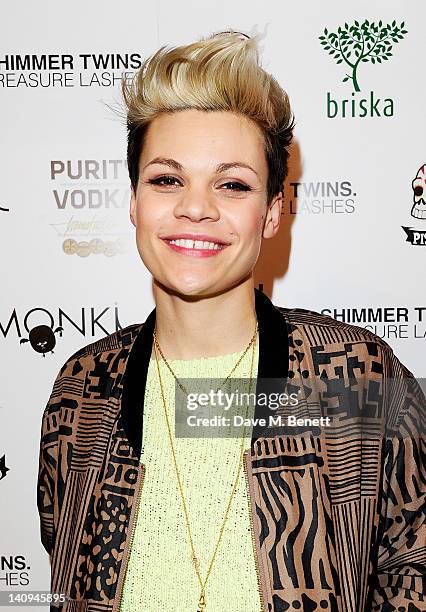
<point>195,248</point>
<point>195,245</point>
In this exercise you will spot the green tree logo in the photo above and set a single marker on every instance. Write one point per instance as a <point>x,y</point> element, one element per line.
<point>365,42</point>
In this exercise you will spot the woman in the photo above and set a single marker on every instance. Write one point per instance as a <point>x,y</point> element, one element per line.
<point>135,517</point>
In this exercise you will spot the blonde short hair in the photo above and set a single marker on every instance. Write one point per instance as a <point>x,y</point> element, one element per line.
<point>220,73</point>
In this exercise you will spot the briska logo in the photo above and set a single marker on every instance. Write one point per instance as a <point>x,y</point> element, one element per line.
<point>355,45</point>
<point>418,209</point>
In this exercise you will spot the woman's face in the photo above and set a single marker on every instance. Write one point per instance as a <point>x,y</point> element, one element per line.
<point>203,177</point>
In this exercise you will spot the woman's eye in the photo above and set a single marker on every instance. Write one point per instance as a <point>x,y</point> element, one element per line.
<point>236,186</point>
<point>172,181</point>
<point>163,180</point>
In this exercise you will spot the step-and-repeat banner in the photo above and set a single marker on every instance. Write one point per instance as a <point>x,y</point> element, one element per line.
<point>352,241</point>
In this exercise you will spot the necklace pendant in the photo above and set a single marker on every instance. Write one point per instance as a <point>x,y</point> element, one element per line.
<point>201,603</point>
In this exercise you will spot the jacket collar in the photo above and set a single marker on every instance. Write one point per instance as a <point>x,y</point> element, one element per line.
<point>273,363</point>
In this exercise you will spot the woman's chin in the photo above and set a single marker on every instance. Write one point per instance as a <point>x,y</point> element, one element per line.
<point>192,289</point>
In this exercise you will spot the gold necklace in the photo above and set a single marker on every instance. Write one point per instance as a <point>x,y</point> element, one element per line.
<point>194,558</point>
<point>157,346</point>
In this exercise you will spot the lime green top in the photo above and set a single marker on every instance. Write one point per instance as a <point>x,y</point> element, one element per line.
<point>160,573</point>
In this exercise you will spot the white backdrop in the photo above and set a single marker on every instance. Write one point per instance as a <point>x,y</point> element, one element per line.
<point>67,246</point>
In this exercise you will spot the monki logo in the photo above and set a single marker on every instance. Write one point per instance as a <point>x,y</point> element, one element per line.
<point>355,45</point>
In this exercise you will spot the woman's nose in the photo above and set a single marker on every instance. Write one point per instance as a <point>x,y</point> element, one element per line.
<point>196,205</point>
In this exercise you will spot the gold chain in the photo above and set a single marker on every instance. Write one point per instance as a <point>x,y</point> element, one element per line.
<point>223,381</point>
<point>202,599</point>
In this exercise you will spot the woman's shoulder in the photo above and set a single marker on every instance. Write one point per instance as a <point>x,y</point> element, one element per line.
<point>89,356</point>
<point>321,328</point>
<point>116,340</point>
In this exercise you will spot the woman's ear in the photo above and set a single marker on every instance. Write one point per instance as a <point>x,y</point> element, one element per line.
<point>133,207</point>
<point>273,216</point>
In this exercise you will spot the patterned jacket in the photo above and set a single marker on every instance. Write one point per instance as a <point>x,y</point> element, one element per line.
<point>337,517</point>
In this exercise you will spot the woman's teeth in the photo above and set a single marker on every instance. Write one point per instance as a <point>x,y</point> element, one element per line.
<point>196,244</point>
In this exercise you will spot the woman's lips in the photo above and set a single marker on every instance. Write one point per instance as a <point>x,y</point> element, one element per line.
<point>195,252</point>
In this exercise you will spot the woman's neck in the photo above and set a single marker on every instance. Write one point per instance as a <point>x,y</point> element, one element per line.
<point>205,327</point>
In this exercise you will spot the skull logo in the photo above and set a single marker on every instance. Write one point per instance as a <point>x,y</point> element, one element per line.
<point>418,210</point>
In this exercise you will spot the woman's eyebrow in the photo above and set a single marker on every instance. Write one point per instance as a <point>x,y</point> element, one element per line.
<point>172,163</point>
<point>228,166</point>
<point>165,161</point>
